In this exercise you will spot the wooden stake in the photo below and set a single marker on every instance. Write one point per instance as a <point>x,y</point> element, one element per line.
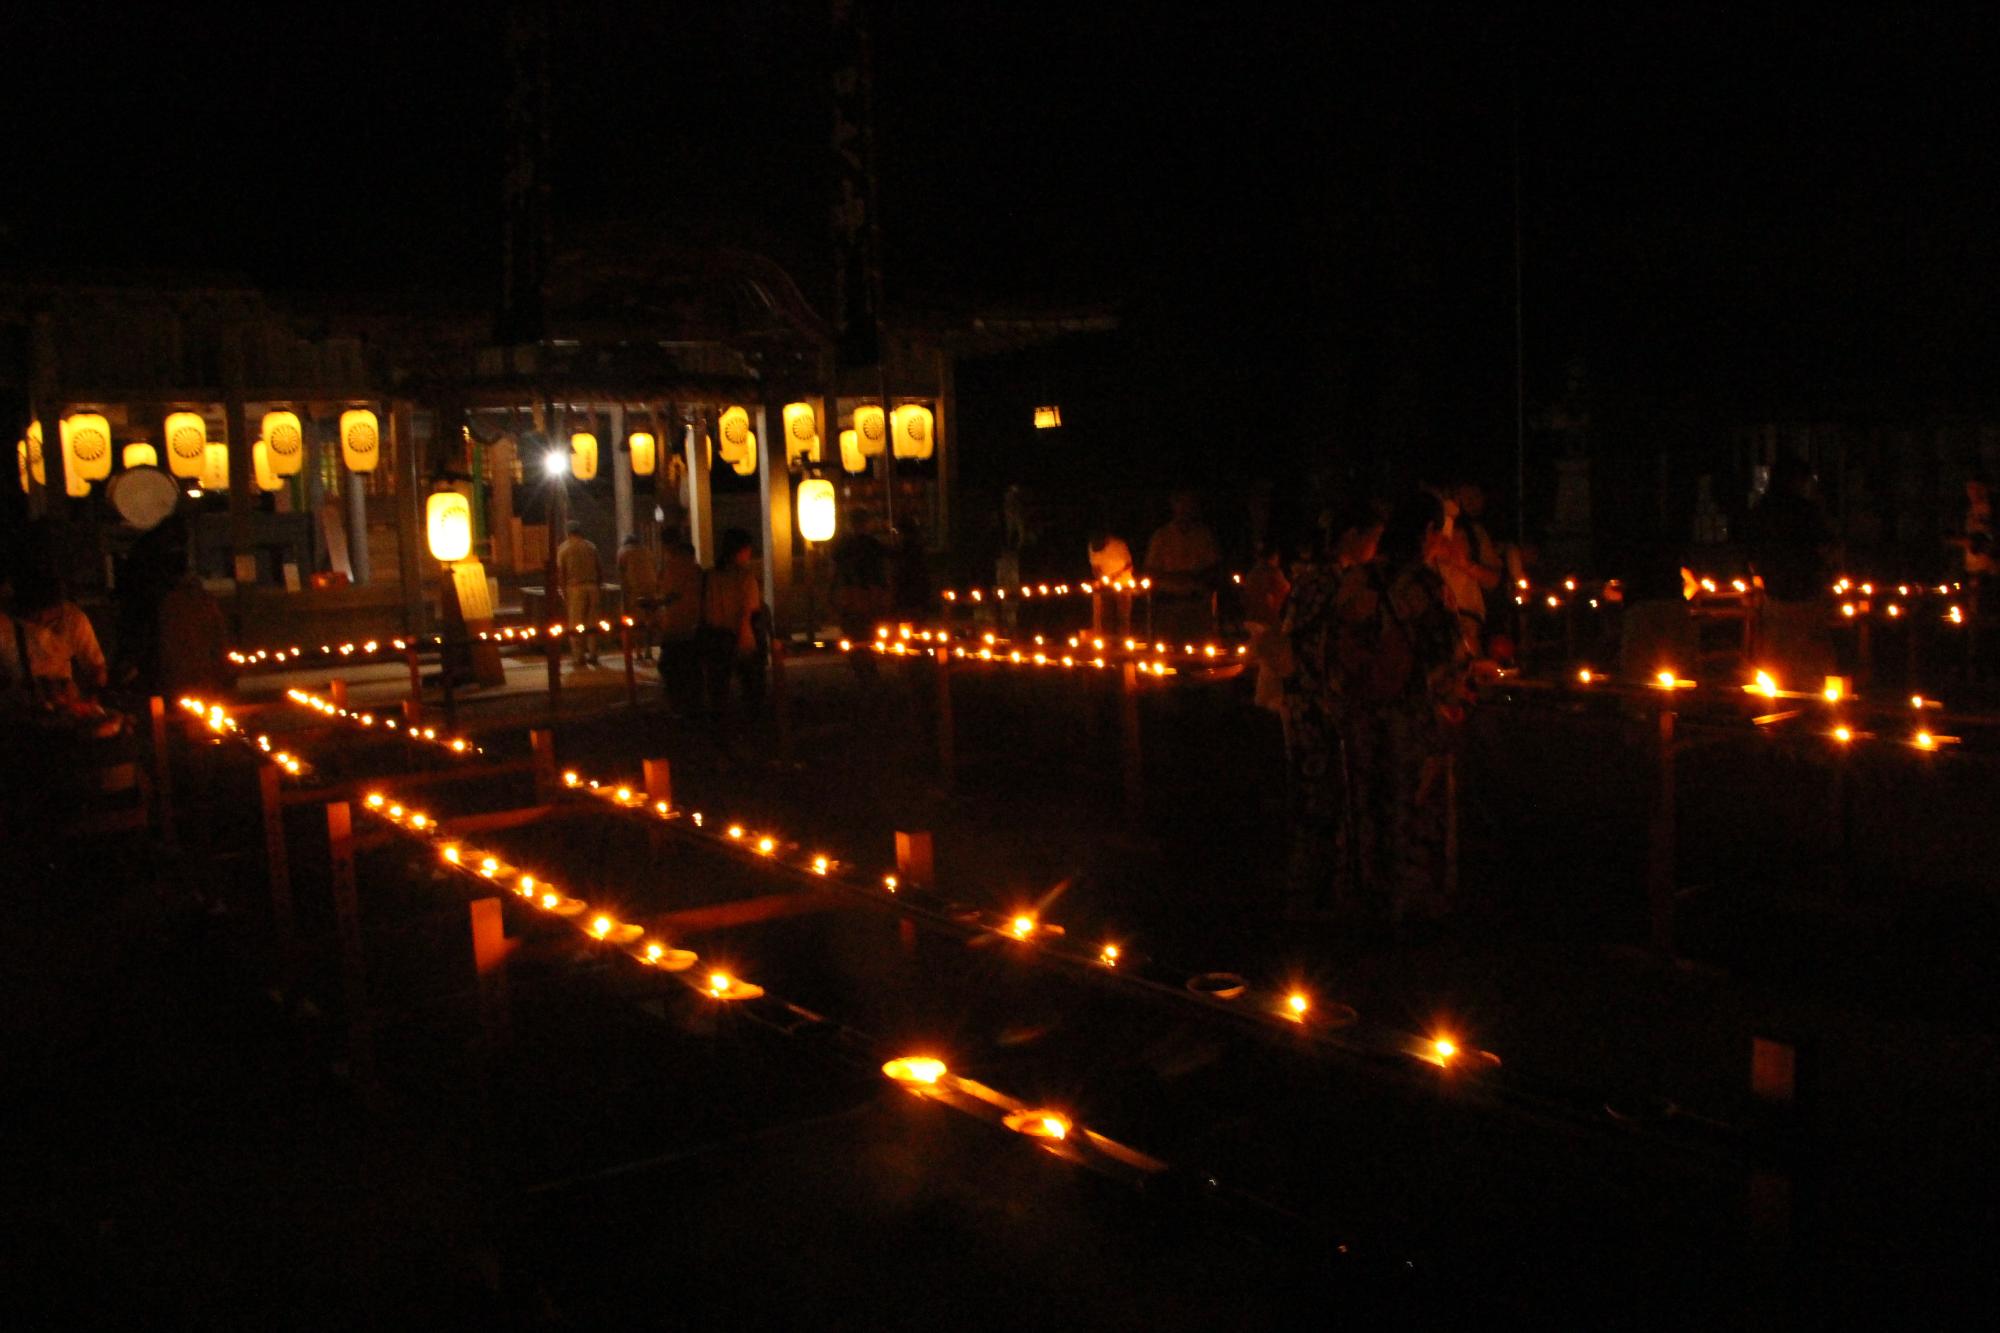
<point>631,674</point>
<point>915,860</point>
<point>277,860</point>
<point>353,964</point>
<point>163,770</point>
<point>1131,757</point>
<point>413,707</point>
<point>490,949</point>
<point>660,782</point>
<point>543,742</point>
<point>947,736</point>
<point>1661,851</point>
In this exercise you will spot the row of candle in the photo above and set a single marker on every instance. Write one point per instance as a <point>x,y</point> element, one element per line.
<point>922,1074</point>
<point>361,649</point>
<point>409,731</point>
<point>1022,925</point>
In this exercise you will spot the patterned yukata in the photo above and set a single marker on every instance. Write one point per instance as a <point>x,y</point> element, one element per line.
<point>1401,671</point>
<point>1316,791</point>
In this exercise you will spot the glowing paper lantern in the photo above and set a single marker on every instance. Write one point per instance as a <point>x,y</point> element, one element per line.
<point>645,453</point>
<point>21,455</point>
<point>448,522</point>
<point>86,442</point>
<point>871,430</point>
<point>186,435</point>
<point>140,454</point>
<point>746,464</point>
<point>816,509</point>
<point>583,456</point>
<point>360,439</point>
<point>850,452</point>
<point>287,441</point>
<point>801,433</point>
<point>910,427</point>
<point>215,466</point>
<point>737,443</point>
<point>1048,418</point>
<point>38,467</point>
<point>260,467</point>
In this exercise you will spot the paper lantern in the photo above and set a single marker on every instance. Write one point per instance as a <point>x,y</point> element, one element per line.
<point>38,464</point>
<point>261,470</point>
<point>186,434</point>
<point>910,427</point>
<point>871,430</point>
<point>287,440</point>
<point>850,452</point>
<point>86,442</point>
<point>360,439</point>
<point>801,433</point>
<point>733,426</point>
<point>816,509</point>
<point>141,454</point>
<point>1048,418</point>
<point>74,485</point>
<point>21,454</point>
<point>645,453</point>
<point>583,456</point>
<point>448,522</point>
<point>745,463</point>
<point>215,466</point>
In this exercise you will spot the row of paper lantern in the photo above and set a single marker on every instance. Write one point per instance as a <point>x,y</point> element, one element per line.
<point>907,432</point>
<point>191,455</point>
<point>448,519</point>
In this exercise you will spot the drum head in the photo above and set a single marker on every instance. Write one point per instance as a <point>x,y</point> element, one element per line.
<point>143,496</point>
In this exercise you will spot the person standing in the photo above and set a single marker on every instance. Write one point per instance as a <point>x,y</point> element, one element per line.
<point>639,577</point>
<point>1182,560</point>
<point>680,598</point>
<point>861,596</point>
<point>730,602</point>
<point>581,573</point>
<point>1790,545</point>
<point>1319,878</point>
<point>1402,690</point>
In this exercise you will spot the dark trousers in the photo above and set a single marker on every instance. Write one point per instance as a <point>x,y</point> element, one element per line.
<point>680,674</point>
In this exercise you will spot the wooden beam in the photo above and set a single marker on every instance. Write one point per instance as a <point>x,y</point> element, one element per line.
<point>746,912</point>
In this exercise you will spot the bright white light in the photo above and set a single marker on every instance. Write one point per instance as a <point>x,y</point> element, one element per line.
<point>555,462</point>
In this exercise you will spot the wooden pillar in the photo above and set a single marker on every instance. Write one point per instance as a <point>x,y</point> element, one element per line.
<point>701,512</point>
<point>500,502</point>
<point>357,522</point>
<point>945,414</point>
<point>336,690</point>
<point>621,480</point>
<point>353,966</point>
<point>774,487</point>
<point>409,519</point>
<point>242,480</point>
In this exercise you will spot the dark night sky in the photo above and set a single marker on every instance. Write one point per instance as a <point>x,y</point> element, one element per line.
<point>1727,209</point>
